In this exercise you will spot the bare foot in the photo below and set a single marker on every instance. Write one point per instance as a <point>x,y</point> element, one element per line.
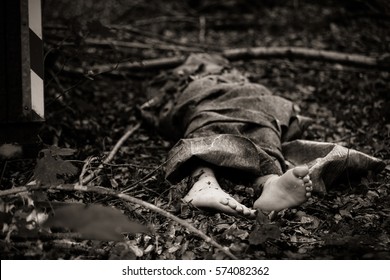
<point>280,192</point>
<point>206,193</point>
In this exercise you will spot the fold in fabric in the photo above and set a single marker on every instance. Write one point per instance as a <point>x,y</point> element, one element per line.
<point>221,119</point>
<point>328,162</point>
<point>223,150</point>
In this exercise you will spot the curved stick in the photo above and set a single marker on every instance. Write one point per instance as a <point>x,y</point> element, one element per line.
<point>113,152</point>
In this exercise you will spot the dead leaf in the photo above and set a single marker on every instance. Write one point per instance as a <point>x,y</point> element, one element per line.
<point>149,249</point>
<point>262,233</point>
<point>122,251</point>
<point>262,218</point>
<point>188,255</point>
<point>50,166</point>
<point>338,218</point>
<point>293,238</point>
<point>174,248</point>
<point>345,213</point>
<point>132,245</point>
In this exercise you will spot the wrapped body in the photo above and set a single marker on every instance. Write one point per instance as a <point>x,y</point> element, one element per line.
<point>221,119</point>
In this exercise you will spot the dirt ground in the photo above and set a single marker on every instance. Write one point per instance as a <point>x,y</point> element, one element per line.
<point>89,113</point>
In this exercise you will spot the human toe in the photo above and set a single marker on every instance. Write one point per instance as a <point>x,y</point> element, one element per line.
<point>224,201</point>
<point>308,183</point>
<point>301,171</point>
<point>247,211</point>
<point>240,208</point>
<point>306,179</point>
<point>228,202</point>
<point>232,204</point>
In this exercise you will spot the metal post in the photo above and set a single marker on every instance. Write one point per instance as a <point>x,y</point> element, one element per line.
<point>21,70</point>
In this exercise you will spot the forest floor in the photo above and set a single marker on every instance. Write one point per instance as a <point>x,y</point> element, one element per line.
<point>86,114</point>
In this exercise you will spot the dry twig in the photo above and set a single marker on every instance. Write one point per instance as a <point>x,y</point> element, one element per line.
<point>111,155</point>
<point>137,45</point>
<point>306,53</point>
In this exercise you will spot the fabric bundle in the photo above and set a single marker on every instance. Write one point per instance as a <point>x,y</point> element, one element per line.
<point>221,119</point>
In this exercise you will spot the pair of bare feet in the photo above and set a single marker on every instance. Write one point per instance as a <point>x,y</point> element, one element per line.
<point>279,192</point>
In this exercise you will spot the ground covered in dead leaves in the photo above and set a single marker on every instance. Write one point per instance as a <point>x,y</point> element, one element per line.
<point>87,114</point>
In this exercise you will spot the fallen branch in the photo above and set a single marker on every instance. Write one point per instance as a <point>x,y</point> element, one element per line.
<point>136,45</point>
<point>125,197</point>
<point>117,69</point>
<point>381,63</point>
<point>306,53</point>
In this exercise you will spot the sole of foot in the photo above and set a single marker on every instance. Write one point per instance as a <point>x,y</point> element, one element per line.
<point>207,194</point>
<point>288,190</point>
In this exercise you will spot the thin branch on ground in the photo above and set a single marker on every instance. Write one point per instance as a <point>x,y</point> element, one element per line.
<point>125,197</point>
<point>249,53</point>
<point>158,63</point>
<point>111,155</point>
<point>137,45</point>
<point>86,168</point>
<point>129,165</point>
<point>306,53</point>
<point>135,184</point>
<point>63,92</point>
<point>164,19</point>
<point>163,38</point>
